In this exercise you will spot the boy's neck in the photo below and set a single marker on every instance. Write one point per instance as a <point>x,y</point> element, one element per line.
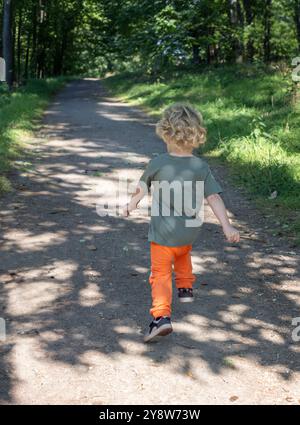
<point>174,153</point>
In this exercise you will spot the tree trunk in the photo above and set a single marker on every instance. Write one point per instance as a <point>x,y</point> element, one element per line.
<point>33,59</point>
<point>208,55</point>
<point>41,41</point>
<point>63,52</point>
<point>196,55</point>
<point>27,56</point>
<point>267,31</point>
<point>235,20</point>
<point>19,50</point>
<point>297,20</point>
<point>249,19</point>
<point>13,47</point>
<point>7,41</point>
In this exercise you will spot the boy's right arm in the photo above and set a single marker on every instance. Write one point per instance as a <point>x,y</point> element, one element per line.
<point>217,205</point>
<point>142,189</point>
<point>136,197</point>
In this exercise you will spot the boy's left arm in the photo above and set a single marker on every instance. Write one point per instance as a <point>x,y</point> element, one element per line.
<point>217,205</point>
<point>211,193</point>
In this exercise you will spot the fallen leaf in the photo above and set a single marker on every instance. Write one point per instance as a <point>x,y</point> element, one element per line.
<point>59,210</point>
<point>233,398</point>
<point>28,332</point>
<point>16,206</point>
<point>273,195</point>
<point>92,247</point>
<point>191,347</point>
<point>20,279</point>
<point>228,363</point>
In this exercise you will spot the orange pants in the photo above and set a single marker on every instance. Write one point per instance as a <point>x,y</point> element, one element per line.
<point>162,260</point>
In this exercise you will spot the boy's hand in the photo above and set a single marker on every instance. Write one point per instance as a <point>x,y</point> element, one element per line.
<point>217,205</point>
<point>231,234</point>
<point>135,199</point>
<point>125,211</point>
<point>128,208</point>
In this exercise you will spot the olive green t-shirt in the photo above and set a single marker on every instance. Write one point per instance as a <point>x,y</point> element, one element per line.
<point>172,226</point>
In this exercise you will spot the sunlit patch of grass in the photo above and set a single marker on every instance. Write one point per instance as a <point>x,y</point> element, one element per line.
<point>19,114</point>
<point>252,126</point>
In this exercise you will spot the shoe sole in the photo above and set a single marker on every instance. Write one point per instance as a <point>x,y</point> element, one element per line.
<point>186,300</point>
<point>161,331</point>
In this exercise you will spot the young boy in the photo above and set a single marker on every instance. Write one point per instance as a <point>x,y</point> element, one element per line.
<point>170,235</point>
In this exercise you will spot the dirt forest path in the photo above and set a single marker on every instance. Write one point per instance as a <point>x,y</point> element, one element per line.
<point>74,285</point>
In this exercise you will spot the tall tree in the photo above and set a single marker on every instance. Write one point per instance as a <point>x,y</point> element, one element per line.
<point>249,18</point>
<point>19,45</point>
<point>236,21</point>
<point>267,30</point>
<point>7,40</point>
<point>297,20</point>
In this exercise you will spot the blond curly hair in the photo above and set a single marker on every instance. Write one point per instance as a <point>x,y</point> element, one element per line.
<point>182,125</point>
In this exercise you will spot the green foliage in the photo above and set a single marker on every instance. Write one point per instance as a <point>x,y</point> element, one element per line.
<point>93,37</point>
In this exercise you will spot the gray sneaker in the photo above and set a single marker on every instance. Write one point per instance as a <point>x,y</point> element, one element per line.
<point>161,326</point>
<point>185,295</point>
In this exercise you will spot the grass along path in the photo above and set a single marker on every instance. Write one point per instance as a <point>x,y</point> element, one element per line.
<point>19,112</point>
<point>252,126</point>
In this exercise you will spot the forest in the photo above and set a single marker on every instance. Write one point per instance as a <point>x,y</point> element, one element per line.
<point>43,38</point>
